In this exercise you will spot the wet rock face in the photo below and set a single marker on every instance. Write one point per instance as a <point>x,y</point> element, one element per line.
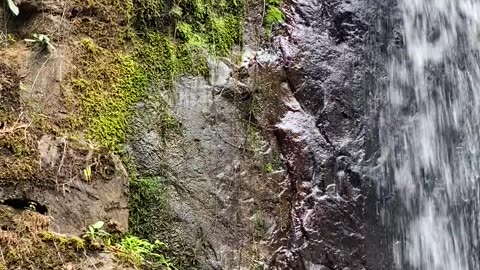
<point>220,197</point>
<point>328,62</point>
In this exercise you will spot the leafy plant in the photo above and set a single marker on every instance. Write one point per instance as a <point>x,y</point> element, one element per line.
<point>13,7</point>
<point>139,252</point>
<point>274,15</point>
<point>43,41</point>
<point>95,232</point>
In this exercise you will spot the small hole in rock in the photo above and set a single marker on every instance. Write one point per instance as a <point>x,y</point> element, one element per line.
<point>25,204</point>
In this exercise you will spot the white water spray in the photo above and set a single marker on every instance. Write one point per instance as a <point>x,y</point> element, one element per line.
<point>430,136</point>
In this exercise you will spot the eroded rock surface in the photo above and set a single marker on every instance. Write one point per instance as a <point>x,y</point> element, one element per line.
<point>220,198</point>
<point>324,131</point>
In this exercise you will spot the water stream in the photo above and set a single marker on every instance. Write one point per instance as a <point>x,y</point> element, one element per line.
<point>430,136</point>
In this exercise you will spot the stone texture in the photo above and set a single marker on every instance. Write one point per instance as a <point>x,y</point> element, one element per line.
<point>332,58</point>
<point>216,185</point>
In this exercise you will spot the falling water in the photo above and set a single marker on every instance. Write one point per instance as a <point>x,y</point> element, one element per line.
<point>430,136</point>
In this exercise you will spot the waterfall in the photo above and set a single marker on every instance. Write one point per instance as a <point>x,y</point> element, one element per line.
<point>430,136</point>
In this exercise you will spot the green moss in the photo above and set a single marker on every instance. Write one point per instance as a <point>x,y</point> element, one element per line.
<point>267,167</point>
<point>213,24</point>
<point>150,14</point>
<point>158,41</point>
<point>64,241</point>
<point>149,208</point>
<point>23,246</point>
<point>151,219</point>
<point>254,139</point>
<point>109,83</point>
<point>20,158</point>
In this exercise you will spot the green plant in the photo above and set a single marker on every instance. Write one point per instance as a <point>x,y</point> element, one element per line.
<point>43,41</point>
<point>139,252</point>
<point>268,167</point>
<point>96,232</point>
<point>13,7</point>
<point>88,173</point>
<point>273,14</point>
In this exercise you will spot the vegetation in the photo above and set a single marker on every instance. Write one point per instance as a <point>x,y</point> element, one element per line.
<point>42,41</point>
<point>273,14</point>
<point>109,86</point>
<point>138,252</point>
<point>259,226</point>
<point>109,81</point>
<point>25,240</point>
<point>154,42</point>
<point>95,232</point>
<point>148,206</point>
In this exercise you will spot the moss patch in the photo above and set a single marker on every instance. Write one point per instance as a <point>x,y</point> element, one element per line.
<point>22,245</point>
<point>156,42</point>
<point>109,84</point>
<point>149,208</point>
<point>19,158</point>
<point>150,218</point>
<point>9,87</point>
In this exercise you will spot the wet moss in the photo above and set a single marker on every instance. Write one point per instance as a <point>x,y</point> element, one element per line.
<point>108,85</point>
<point>151,218</point>
<point>149,208</point>
<point>157,41</point>
<point>216,24</point>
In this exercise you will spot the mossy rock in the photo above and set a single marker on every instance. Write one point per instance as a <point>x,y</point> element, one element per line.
<point>9,90</point>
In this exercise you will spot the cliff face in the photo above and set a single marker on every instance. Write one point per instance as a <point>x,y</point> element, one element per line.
<point>148,115</point>
<point>333,64</point>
